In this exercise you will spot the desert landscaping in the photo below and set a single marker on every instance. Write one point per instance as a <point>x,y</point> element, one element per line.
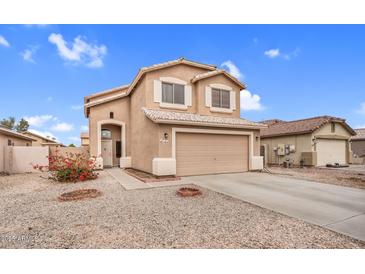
<point>33,217</point>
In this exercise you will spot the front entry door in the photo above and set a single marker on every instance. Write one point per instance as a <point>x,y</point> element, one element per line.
<point>107,152</point>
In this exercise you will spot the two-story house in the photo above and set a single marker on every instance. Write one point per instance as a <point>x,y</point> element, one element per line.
<point>178,117</point>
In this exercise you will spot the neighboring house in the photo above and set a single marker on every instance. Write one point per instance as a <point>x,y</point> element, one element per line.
<point>358,142</point>
<point>179,117</point>
<point>84,136</point>
<point>11,138</point>
<point>314,141</point>
<point>40,140</point>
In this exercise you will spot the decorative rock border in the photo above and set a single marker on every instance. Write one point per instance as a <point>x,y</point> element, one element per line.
<point>188,192</point>
<point>79,194</point>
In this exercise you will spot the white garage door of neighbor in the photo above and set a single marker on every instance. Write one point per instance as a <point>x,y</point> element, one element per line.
<point>330,152</point>
<point>198,153</point>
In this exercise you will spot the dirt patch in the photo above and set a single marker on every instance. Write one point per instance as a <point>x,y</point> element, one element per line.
<point>342,177</point>
<point>79,194</point>
<point>148,177</point>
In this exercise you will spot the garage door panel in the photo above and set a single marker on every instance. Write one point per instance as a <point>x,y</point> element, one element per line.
<point>331,151</point>
<point>210,153</point>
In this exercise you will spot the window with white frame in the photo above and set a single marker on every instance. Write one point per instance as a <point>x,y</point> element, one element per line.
<point>173,93</point>
<point>220,98</point>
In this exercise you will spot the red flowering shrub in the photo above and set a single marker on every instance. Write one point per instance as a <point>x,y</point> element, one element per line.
<point>70,168</point>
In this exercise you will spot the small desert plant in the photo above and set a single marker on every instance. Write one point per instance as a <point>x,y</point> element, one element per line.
<point>70,168</point>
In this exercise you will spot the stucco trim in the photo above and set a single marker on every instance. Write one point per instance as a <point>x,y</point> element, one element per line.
<point>122,134</point>
<point>172,80</point>
<point>176,130</point>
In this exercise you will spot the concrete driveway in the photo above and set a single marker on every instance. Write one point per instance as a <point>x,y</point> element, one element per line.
<point>338,208</point>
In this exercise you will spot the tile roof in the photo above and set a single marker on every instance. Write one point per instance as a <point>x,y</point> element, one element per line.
<point>171,117</point>
<point>216,72</point>
<point>9,132</point>
<point>299,126</point>
<point>272,122</point>
<point>360,134</point>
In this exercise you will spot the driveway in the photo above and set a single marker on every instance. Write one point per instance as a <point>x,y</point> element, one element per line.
<point>338,208</point>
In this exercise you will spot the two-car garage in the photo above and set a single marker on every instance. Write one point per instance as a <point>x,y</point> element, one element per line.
<point>198,153</point>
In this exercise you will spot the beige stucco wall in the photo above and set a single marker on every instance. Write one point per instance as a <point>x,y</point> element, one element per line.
<point>4,143</point>
<point>144,141</point>
<point>326,130</point>
<point>68,151</point>
<point>121,109</point>
<point>20,159</point>
<point>303,143</point>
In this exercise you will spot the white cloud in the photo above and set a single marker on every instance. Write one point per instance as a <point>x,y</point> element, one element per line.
<point>84,128</point>
<point>250,101</point>
<point>272,53</point>
<point>28,53</point>
<point>39,120</point>
<point>62,127</point>
<point>43,133</point>
<point>79,51</point>
<point>77,107</point>
<point>4,42</point>
<point>361,110</point>
<point>232,69</point>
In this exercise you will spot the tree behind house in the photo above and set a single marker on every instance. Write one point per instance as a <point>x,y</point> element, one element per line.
<point>9,123</point>
<point>22,126</point>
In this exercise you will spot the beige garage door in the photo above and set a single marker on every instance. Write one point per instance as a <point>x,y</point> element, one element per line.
<point>330,152</point>
<point>210,153</point>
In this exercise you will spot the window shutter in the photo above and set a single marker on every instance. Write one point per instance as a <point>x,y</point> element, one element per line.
<point>157,91</point>
<point>188,95</point>
<point>233,100</point>
<point>208,96</point>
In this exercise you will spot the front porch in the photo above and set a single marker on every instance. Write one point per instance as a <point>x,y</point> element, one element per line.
<point>111,144</point>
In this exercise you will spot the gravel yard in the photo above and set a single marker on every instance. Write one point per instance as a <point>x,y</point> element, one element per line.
<point>354,176</point>
<point>32,217</point>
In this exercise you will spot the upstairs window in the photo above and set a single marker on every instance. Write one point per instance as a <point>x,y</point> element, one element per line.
<point>173,93</point>
<point>333,127</point>
<point>220,98</point>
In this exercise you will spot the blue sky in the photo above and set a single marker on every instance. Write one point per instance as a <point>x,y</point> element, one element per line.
<point>292,71</point>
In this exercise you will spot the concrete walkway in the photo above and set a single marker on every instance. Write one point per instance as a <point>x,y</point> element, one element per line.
<point>130,183</point>
<point>338,208</point>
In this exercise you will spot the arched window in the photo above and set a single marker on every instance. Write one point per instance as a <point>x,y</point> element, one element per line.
<point>106,133</point>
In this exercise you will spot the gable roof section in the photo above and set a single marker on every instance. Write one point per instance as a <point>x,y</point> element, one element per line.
<point>218,72</point>
<point>125,90</point>
<point>9,132</point>
<point>179,61</point>
<point>360,134</point>
<point>170,117</point>
<point>301,126</point>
